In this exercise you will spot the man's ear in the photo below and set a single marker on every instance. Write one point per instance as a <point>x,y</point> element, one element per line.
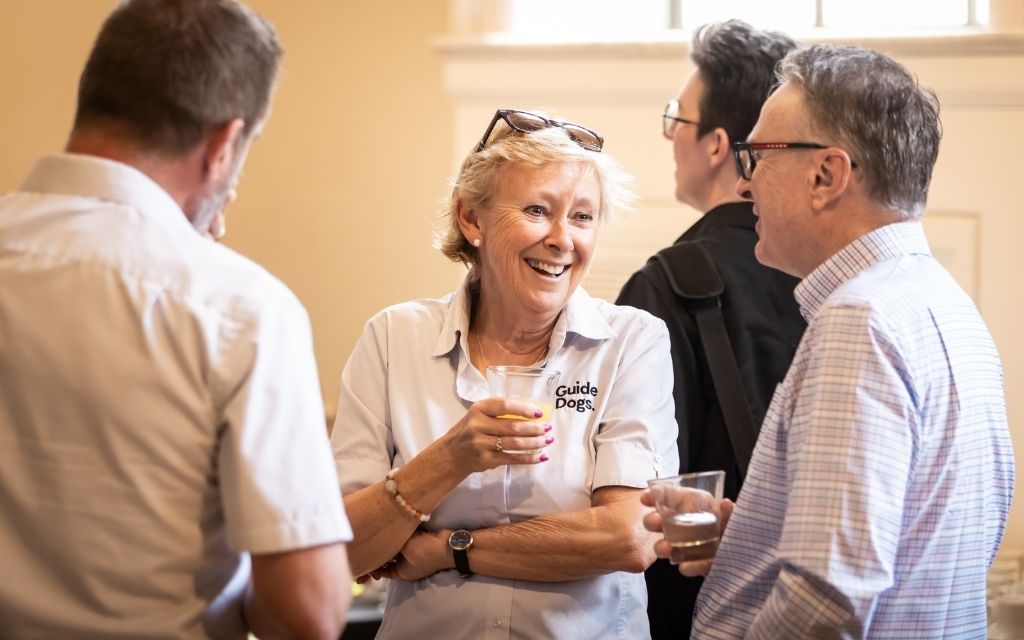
<point>719,147</point>
<point>831,177</point>
<point>220,148</point>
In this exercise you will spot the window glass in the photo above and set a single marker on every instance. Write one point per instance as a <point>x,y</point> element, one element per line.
<point>887,13</point>
<point>587,17</point>
<point>615,19</point>
<point>981,12</point>
<point>777,14</point>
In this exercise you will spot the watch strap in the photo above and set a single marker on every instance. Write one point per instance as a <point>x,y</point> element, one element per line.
<point>459,542</point>
<point>462,562</point>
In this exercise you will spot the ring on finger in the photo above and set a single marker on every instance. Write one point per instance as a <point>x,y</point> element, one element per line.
<point>497,445</point>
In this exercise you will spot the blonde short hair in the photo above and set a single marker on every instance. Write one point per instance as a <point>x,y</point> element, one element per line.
<point>478,179</point>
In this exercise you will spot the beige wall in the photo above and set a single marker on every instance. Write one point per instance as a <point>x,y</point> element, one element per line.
<point>339,194</point>
<point>339,198</point>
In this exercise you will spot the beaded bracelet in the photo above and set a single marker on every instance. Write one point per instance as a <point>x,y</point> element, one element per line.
<point>391,486</point>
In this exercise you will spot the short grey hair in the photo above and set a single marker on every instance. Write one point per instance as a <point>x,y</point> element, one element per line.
<point>168,72</point>
<point>876,110</point>
<point>477,180</point>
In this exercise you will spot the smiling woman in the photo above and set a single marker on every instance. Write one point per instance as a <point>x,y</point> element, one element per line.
<point>538,233</point>
<point>540,514</point>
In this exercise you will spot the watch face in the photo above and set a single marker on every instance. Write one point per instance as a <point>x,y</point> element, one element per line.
<point>460,540</point>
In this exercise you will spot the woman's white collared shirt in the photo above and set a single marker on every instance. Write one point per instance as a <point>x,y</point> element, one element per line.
<point>409,380</point>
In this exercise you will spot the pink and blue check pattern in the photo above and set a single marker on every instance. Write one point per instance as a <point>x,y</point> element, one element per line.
<point>881,483</point>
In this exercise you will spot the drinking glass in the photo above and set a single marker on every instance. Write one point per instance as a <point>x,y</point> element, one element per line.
<point>535,384</point>
<point>690,508</point>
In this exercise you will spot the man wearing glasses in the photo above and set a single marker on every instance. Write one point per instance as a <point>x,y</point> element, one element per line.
<point>718,104</point>
<point>879,491</point>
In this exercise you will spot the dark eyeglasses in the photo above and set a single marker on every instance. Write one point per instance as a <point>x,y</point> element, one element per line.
<point>747,155</point>
<point>526,122</point>
<point>670,119</point>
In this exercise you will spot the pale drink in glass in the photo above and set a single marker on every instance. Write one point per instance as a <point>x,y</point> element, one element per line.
<point>535,384</point>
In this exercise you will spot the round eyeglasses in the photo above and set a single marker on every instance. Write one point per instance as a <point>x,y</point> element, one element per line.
<point>671,119</point>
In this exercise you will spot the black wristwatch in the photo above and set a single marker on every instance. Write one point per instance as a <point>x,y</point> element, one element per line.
<point>460,541</point>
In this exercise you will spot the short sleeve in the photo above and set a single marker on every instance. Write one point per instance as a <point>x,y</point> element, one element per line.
<point>361,439</point>
<point>637,437</point>
<point>278,484</point>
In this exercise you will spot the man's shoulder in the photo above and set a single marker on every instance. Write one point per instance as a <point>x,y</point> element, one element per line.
<point>148,250</point>
<point>899,288</point>
<point>220,280</point>
<point>236,266</point>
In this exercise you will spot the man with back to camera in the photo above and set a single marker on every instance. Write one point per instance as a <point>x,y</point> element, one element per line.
<point>165,469</point>
<point>879,491</point>
<point>717,105</point>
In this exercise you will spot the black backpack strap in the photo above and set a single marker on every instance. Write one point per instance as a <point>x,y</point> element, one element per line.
<point>694,278</point>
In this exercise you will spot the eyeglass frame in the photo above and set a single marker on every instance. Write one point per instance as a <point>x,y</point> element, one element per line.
<point>502,114</point>
<point>738,148</point>
<point>667,119</point>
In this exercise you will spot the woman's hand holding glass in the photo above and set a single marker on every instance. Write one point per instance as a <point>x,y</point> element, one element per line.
<point>482,438</point>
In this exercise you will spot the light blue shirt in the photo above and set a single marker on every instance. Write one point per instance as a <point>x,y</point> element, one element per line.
<point>409,380</point>
<point>879,489</point>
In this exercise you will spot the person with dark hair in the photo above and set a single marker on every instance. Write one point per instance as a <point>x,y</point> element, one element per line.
<point>717,105</point>
<point>881,483</point>
<point>165,468</point>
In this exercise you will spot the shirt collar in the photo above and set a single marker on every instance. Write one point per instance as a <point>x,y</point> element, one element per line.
<point>887,242</point>
<point>581,316</point>
<point>103,179</point>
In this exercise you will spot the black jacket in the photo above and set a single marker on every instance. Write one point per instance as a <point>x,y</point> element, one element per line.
<point>764,326</point>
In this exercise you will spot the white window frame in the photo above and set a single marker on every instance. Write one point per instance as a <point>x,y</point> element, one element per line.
<point>676,17</point>
<point>486,20</point>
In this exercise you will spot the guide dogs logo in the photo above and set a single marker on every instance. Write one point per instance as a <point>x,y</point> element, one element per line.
<point>576,396</point>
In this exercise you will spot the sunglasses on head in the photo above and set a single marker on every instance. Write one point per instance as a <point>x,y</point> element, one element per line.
<point>526,122</point>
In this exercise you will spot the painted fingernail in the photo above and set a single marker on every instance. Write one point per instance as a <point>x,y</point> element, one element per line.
<point>543,457</point>
<point>547,428</point>
<point>538,414</point>
<point>549,439</point>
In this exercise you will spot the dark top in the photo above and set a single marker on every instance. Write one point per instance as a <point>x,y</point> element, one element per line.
<point>764,326</point>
